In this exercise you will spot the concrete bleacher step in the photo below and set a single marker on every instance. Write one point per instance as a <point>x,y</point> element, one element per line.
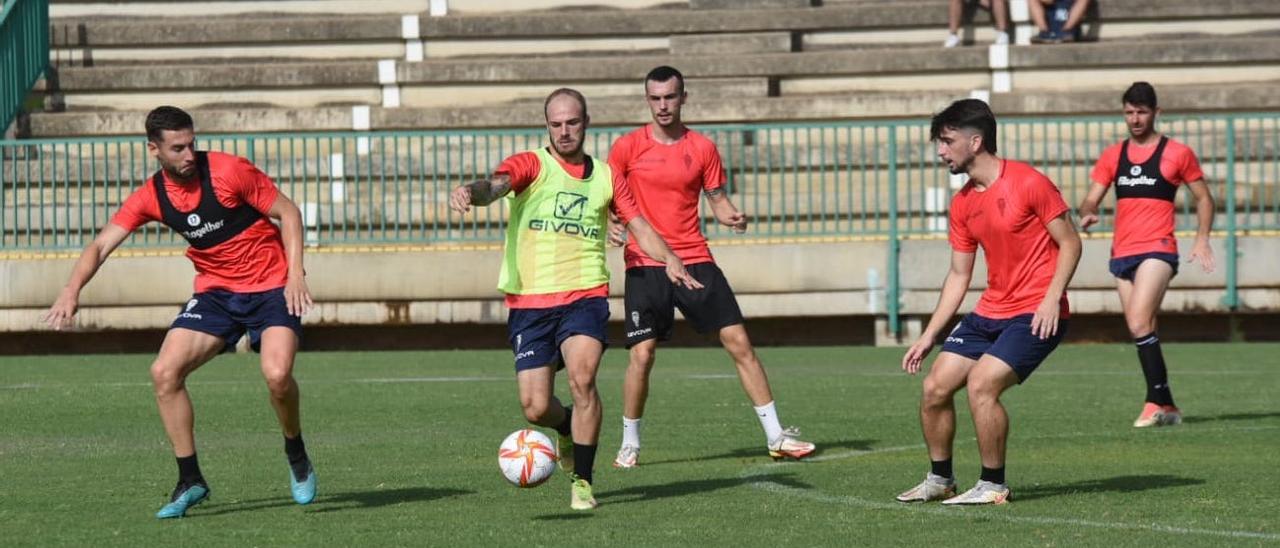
<point>149,8</point>
<point>1210,97</point>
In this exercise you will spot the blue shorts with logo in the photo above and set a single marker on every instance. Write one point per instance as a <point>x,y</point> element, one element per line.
<point>1009,339</point>
<point>536,333</point>
<point>228,315</point>
<point>1125,267</point>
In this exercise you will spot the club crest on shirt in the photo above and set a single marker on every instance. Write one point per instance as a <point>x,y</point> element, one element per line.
<point>193,219</point>
<point>1135,171</point>
<point>688,161</point>
<point>1000,204</point>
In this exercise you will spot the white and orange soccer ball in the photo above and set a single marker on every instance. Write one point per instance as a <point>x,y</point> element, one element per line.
<point>527,458</point>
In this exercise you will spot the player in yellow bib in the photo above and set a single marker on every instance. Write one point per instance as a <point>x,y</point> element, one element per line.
<point>555,278</point>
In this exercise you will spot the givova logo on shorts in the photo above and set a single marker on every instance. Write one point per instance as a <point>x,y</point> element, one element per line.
<point>186,313</point>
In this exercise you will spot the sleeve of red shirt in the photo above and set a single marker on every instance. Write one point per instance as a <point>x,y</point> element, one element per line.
<point>624,203</point>
<point>1104,170</point>
<point>620,154</point>
<point>713,172</point>
<point>1045,199</point>
<point>138,209</point>
<point>252,186</point>
<point>522,168</point>
<point>959,236</point>
<point>1189,167</point>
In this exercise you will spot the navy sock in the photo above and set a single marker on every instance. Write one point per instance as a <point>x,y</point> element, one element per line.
<point>584,459</point>
<point>941,468</point>
<point>189,471</point>
<point>564,428</point>
<point>1153,369</point>
<point>993,475</point>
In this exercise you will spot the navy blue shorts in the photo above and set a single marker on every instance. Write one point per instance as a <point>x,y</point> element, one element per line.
<point>536,333</point>
<point>228,315</point>
<point>1008,339</point>
<point>1125,267</point>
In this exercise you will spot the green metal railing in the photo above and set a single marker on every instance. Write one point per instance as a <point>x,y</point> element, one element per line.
<point>863,179</point>
<point>24,53</point>
<point>879,180</point>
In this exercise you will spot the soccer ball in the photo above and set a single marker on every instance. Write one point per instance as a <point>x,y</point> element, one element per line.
<point>527,458</point>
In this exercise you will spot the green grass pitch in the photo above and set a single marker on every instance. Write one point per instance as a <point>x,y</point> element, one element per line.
<point>405,447</point>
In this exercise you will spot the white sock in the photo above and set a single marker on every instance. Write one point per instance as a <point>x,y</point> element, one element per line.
<point>631,432</point>
<point>769,421</point>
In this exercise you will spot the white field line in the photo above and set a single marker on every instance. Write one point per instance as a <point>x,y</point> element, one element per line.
<point>850,500</point>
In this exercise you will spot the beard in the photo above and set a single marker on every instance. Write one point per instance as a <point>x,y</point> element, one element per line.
<point>573,151</point>
<point>176,173</point>
<point>958,168</point>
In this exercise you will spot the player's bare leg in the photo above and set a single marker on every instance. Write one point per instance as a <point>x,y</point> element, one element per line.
<point>582,360</point>
<point>782,443</point>
<point>279,347</point>
<point>948,374</point>
<point>183,351</point>
<point>543,408</point>
<point>987,381</point>
<point>1140,299</point>
<point>635,384</point>
<point>635,392</point>
<point>750,372</point>
<point>537,396</point>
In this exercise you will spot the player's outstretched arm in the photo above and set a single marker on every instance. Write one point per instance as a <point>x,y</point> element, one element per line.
<point>1089,207</point>
<point>954,288</point>
<point>94,254</point>
<point>1200,251</point>
<point>479,193</point>
<point>726,213</point>
<point>297,296</point>
<point>1044,323</point>
<point>654,246</point>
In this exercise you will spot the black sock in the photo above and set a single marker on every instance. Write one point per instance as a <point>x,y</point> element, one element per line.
<point>564,428</point>
<point>993,475</point>
<point>189,471</point>
<point>584,459</point>
<point>296,451</point>
<point>941,468</point>
<point>1153,369</point>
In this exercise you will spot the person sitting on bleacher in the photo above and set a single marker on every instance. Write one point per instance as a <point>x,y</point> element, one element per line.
<point>999,13</point>
<point>1058,20</point>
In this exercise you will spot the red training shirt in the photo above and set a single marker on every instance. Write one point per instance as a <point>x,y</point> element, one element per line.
<point>523,168</point>
<point>1145,225</point>
<point>1008,221</point>
<point>667,181</point>
<point>249,262</point>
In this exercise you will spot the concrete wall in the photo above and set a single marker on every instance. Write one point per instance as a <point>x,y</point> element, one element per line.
<point>772,279</point>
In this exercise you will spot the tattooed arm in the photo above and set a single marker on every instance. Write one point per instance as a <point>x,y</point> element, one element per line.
<point>479,193</point>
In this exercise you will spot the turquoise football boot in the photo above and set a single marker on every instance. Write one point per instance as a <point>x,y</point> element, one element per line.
<point>181,501</point>
<point>304,491</point>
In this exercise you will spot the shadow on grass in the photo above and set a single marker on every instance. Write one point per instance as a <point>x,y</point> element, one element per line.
<point>1118,484</point>
<point>564,517</point>
<point>683,488</point>
<point>760,451</point>
<point>1232,417</point>
<point>340,501</point>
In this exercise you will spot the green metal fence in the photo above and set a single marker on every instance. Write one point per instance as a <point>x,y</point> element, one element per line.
<point>872,179</point>
<point>24,53</point>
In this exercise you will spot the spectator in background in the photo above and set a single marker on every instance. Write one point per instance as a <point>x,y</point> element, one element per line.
<point>1058,20</point>
<point>999,12</point>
